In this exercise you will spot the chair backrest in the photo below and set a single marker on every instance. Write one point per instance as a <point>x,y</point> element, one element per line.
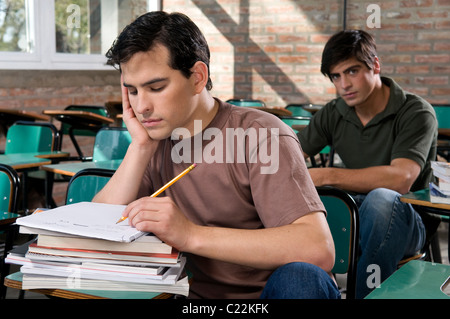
<point>31,137</point>
<point>85,184</point>
<point>296,120</point>
<point>9,189</point>
<point>298,110</point>
<point>342,217</point>
<point>442,115</point>
<point>100,110</point>
<point>111,143</point>
<point>246,102</point>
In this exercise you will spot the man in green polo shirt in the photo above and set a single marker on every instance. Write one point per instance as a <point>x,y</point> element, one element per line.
<point>386,139</point>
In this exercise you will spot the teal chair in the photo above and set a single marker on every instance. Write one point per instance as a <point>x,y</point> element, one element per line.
<point>298,110</point>
<point>31,137</point>
<point>247,102</point>
<point>9,192</point>
<point>111,143</point>
<point>85,184</point>
<point>343,220</point>
<point>100,110</point>
<point>443,118</point>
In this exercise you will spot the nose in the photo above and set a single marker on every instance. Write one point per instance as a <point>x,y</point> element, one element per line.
<point>345,82</point>
<point>142,104</point>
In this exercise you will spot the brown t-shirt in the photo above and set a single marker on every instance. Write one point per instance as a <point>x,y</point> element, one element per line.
<point>259,180</point>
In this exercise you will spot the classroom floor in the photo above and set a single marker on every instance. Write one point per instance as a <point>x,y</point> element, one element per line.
<point>443,241</point>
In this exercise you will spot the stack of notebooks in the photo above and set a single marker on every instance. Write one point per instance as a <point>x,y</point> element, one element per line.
<point>440,191</point>
<point>80,246</point>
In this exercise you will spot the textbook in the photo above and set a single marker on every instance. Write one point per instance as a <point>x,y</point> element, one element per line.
<point>437,196</point>
<point>100,254</point>
<point>85,219</point>
<point>443,168</point>
<point>144,244</point>
<point>32,281</point>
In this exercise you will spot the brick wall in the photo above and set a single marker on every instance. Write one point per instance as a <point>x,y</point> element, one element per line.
<point>271,50</point>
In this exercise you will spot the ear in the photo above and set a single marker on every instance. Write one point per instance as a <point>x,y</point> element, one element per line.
<point>376,66</point>
<point>199,76</point>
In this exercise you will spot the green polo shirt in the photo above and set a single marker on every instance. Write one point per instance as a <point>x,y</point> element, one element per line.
<point>407,128</point>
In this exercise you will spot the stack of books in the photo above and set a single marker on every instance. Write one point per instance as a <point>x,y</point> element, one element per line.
<point>79,246</point>
<point>440,190</point>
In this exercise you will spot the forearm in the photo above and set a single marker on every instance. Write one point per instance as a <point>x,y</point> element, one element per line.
<point>266,248</point>
<point>365,179</point>
<point>123,186</point>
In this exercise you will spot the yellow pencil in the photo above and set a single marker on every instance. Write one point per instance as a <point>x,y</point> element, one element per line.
<point>162,189</point>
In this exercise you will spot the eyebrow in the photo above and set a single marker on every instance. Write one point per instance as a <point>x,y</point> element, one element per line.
<point>347,69</point>
<point>150,82</point>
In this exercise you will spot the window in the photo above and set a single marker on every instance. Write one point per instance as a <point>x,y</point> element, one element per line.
<point>63,34</point>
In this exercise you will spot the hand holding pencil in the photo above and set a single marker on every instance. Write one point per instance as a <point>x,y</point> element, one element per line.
<point>162,189</point>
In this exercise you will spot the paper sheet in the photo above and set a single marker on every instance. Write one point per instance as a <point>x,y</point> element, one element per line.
<point>86,219</point>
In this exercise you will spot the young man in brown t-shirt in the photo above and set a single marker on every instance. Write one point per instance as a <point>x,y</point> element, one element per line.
<point>249,207</point>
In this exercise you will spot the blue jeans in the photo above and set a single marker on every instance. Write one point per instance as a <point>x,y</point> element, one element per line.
<point>300,280</point>
<point>389,230</point>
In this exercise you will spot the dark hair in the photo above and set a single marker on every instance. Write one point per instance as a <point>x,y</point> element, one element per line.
<point>348,44</point>
<point>175,31</point>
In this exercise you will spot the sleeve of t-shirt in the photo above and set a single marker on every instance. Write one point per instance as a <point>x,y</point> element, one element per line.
<point>316,135</point>
<point>416,134</point>
<point>285,192</point>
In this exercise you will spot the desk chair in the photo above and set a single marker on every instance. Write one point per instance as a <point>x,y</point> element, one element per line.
<point>111,143</point>
<point>85,184</point>
<point>31,137</point>
<point>298,110</point>
<point>443,118</point>
<point>343,220</point>
<point>9,190</point>
<point>246,102</point>
<point>82,129</point>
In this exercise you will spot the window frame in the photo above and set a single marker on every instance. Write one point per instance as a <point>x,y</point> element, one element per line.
<point>44,55</point>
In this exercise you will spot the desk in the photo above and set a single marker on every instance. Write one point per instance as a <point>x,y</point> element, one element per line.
<point>8,117</point>
<point>278,111</point>
<point>422,198</point>
<point>15,281</point>
<point>417,279</point>
<point>70,169</point>
<point>80,120</point>
<point>26,161</point>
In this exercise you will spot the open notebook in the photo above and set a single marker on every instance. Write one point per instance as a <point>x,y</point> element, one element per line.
<point>95,220</point>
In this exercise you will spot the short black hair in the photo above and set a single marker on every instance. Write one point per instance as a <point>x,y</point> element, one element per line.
<point>348,44</point>
<point>177,32</point>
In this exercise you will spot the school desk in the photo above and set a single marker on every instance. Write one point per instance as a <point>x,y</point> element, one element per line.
<point>79,120</point>
<point>417,279</point>
<point>9,116</point>
<point>15,281</point>
<point>70,169</point>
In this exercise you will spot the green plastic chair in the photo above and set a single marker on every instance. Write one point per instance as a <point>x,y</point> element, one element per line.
<point>295,120</point>
<point>9,190</point>
<point>31,137</point>
<point>111,143</point>
<point>85,184</point>
<point>100,110</point>
<point>298,110</point>
<point>342,218</point>
<point>443,118</point>
<point>246,102</point>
